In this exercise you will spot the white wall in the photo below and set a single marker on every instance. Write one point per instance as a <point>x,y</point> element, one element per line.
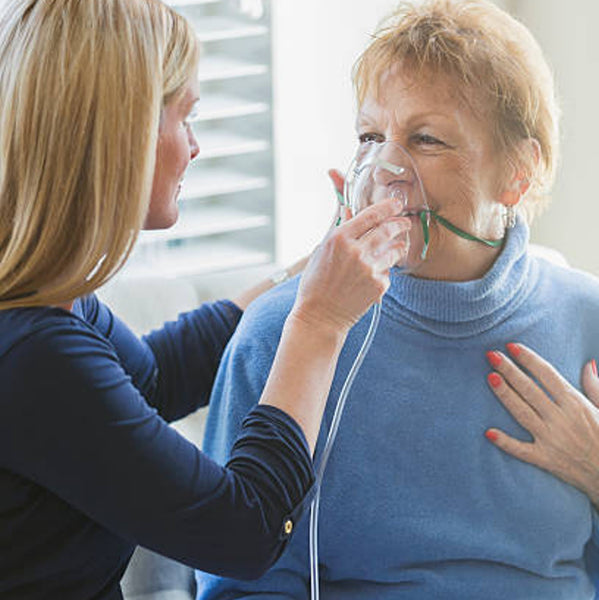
<point>314,46</point>
<point>567,31</point>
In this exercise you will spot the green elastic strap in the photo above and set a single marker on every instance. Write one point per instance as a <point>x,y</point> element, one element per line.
<point>460,232</point>
<point>425,232</point>
<point>442,221</point>
<point>341,200</point>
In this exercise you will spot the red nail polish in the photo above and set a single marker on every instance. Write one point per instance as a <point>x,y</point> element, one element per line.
<point>513,349</point>
<point>494,380</point>
<point>594,367</point>
<point>491,435</point>
<point>494,359</point>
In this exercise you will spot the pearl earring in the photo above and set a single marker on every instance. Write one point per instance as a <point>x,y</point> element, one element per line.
<point>509,216</point>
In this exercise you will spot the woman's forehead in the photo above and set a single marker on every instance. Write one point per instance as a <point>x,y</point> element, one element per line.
<point>402,94</point>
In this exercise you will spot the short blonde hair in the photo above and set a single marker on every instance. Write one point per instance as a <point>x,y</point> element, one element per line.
<point>82,86</point>
<point>492,57</point>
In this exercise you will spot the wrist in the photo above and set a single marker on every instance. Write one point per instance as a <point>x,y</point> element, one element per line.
<point>318,330</point>
<point>288,272</point>
<point>280,276</point>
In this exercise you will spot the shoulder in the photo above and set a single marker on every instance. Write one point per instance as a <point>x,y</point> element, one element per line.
<point>49,341</point>
<point>563,285</point>
<point>576,280</point>
<point>264,318</point>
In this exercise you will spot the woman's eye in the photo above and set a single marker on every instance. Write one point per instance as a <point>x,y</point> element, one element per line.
<point>365,138</point>
<point>194,113</point>
<point>427,140</point>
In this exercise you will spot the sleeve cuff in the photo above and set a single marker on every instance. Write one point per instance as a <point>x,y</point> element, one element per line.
<point>233,311</point>
<point>273,452</point>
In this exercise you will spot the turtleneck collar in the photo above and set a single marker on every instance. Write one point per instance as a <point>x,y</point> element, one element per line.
<point>462,309</point>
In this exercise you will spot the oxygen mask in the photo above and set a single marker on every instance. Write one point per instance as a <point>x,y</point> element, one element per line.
<point>386,170</point>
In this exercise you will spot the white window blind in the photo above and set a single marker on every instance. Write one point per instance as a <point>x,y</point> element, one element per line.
<point>226,208</point>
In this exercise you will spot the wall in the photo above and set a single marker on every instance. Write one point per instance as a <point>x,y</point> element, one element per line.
<point>567,33</point>
<point>315,43</point>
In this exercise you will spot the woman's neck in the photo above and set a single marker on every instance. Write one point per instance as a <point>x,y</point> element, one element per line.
<point>457,260</point>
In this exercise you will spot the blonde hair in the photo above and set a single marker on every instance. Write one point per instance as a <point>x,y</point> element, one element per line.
<point>82,86</point>
<point>495,60</point>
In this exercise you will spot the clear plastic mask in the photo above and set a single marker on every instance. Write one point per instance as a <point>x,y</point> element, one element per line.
<point>386,170</point>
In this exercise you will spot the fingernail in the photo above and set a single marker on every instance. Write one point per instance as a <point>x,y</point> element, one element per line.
<point>513,349</point>
<point>494,380</point>
<point>494,359</point>
<point>336,178</point>
<point>491,435</point>
<point>594,367</point>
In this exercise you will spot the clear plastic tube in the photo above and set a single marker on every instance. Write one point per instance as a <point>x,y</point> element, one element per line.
<point>378,171</point>
<point>314,576</point>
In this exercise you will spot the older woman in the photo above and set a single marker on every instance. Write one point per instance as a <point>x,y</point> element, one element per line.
<point>415,502</point>
<point>95,97</point>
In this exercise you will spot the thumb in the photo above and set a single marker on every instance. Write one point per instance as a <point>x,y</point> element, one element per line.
<point>590,382</point>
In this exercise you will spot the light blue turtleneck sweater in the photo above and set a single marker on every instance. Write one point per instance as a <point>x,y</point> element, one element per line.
<point>416,503</point>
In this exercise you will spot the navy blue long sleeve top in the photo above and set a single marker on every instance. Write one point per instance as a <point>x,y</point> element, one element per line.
<point>89,467</point>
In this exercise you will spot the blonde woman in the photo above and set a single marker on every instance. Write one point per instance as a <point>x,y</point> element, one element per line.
<point>94,141</point>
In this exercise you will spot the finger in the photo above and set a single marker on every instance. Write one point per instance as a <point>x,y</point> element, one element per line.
<point>515,404</point>
<point>378,238</point>
<point>548,377</point>
<point>525,451</point>
<point>590,382</point>
<point>371,217</point>
<point>345,214</point>
<point>392,254</point>
<point>526,388</point>
<point>337,179</point>
<point>342,214</point>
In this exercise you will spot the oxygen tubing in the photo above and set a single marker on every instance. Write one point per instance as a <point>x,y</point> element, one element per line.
<point>314,577</point>
<point>376,315</point>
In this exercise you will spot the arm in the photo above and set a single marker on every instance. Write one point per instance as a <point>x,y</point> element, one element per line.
<point>173,367</point>
<point>248,296</point>
<point>82,431</point>
<point>239,384</point>
<point>188,352</point>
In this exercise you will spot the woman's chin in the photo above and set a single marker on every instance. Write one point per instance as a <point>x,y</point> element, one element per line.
<point>161,221</point>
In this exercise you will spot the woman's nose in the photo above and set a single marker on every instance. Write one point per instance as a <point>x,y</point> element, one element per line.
<point>194,148</point>
<point>387,173</point>
<point>392,165</point>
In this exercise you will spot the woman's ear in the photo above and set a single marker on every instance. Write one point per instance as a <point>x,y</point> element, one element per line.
<point>520,182</point>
